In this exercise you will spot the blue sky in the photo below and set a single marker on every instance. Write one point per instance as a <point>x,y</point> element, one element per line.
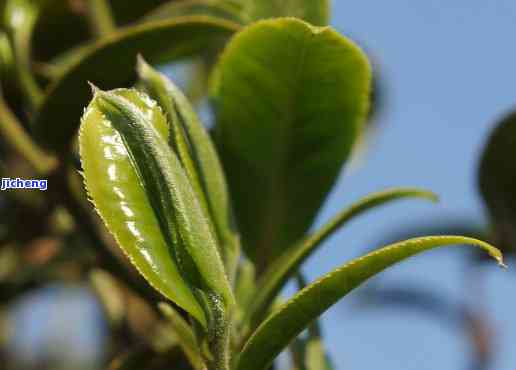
<point>447,72</point>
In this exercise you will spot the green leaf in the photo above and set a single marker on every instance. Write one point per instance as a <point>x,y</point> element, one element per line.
<point>171,196</point>
<point>315,355</point>
<point>312,350</point>
<point>20,19</point>
<point>128,196</point>
<point>215,8</point>
<point>283,325</point>
<point>278,273</point>
<point>316,12</point>
<point>444,226</point>
<point>108,63</point>
<point>7,63</point>
<point>290,101</point>
<point>123,203</point>
<point>497,180</point>
<point>245,288</point>
<point>185,335</point>
<point>199,158</point>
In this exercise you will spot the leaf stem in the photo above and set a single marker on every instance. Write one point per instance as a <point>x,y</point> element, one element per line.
<point>101,17</point>
<point>20,37</point>
<point>219,335</point>
<point>17,137</point>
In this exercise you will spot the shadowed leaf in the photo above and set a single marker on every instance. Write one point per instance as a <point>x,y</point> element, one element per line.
<point>497,181</point>
<point>290,100</point>
<point>109,63</point>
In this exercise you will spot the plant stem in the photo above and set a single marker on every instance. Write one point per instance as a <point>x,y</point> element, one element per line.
<point>101,18</point>
<point>16,136</point>
<point>20,37</point>
<point>219,335</point>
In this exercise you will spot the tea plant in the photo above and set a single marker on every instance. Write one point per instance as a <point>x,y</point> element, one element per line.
<point>217,222</point>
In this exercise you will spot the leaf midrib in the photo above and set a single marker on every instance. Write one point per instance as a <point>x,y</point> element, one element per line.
<point>275,208</point>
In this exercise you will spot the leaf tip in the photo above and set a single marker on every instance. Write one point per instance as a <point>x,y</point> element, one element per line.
<point>501,263</point>
<point>94,88</point>
<point>432,197</point>
<point>494,252</point>
<point>141,65</point>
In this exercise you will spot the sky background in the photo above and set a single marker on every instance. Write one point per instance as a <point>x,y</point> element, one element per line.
<point>446,71</point>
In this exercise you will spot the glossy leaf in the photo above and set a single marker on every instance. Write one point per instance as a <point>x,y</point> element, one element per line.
<point>283,325</point>
<point>290,101</point>
<point>109,63</point>
<point>185,335</point>
<point>277,275</point>
<point>199,158</point>
<point>127,204</point>
<point>317,12</point>
<point>497,179</point>
<point>181,219</point>
<point>114,187</point>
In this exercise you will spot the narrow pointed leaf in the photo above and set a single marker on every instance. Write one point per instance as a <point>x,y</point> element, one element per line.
<point>316,12</point>
<point>109,63</point>
<point>497,180</point>
<point>123,203</point>
<point>283,325</point>
<point>277,275</point>
<point>312,350</point>
<point>245,288</point>
<point>185,335</point>
<point>199,158</point>
<point>245,291</point>
<point>181,219</point>
<point>315,355</point>
<point>129,194</point>
<point>301,92</point>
